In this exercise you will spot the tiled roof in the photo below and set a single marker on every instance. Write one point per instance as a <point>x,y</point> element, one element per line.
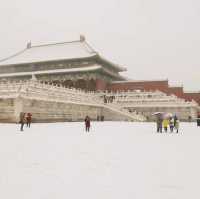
<point>55,52</point>
<point>70,70</point>
<point>63,71</point>
<point>51,52</point>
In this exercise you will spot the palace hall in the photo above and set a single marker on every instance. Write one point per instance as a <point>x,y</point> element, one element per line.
<point>76,64</point>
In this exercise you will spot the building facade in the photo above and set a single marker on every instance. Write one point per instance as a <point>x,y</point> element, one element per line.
<point>149,102</point>
<point>71,64</point>
<point>154,85</point>
<point>77,65</point>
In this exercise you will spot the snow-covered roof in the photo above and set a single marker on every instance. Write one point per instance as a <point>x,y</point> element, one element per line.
<point>92,68</point>
<point>51,52</point>
<point>64,71</point>
<point>55,52</point>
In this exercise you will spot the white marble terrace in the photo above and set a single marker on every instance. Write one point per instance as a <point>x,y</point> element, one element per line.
<point>115,101</point>
<point>150,102</point>
<point>40,91</point>
<point>156,98</point>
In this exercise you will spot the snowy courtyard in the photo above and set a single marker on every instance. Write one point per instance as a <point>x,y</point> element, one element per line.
<point>115,160</point>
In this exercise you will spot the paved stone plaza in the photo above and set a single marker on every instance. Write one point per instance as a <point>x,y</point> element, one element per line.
<point>115,160</point>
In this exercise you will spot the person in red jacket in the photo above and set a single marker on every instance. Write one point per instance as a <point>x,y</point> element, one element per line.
<point>87,123</point>
<point>28,119</point>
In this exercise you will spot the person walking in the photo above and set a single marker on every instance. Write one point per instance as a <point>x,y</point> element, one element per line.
<point>175,118</point>
<point>87,123</point>
<point>171,124</point>
<point>165,124</point>
<point>159,124</point>
<point>28,119</point>
<point>22,120</point>
<point>198,119</point>
<point>177,125</point>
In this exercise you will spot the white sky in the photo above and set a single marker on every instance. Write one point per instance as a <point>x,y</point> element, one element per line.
<point>155,39</point>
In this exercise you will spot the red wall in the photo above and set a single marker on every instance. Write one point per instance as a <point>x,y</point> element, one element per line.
<point>142,85</point>
<point>194,96</point>
<point>178,91</point>
<point>101,85</point>
<point>153,86</point>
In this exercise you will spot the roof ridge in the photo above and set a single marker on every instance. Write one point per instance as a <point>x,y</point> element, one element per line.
<point>56,43</point>
<point>90,47</point>
<point>14,55</point>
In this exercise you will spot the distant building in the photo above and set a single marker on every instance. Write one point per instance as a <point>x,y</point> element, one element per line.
<point>149,102</point>
<point>154,85</point>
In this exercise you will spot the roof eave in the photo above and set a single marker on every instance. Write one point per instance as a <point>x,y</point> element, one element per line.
<point>119,77</point>
<point>58,71</point>
<point>119,68</point>
<point>48,61</point>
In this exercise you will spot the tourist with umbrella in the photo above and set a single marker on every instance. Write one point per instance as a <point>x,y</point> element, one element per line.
<point>169,121</point>
<point>175,119</point>
<point>177,125</point>
<point>171,124</point>
<point>165,124</point>
<point>159,121</point>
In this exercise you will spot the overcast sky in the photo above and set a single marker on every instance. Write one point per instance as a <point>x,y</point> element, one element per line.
<point>154,39</point>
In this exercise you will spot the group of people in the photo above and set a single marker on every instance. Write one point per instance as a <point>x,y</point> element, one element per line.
<point>25,118</point>
<point>164,123</point>
<point>100,118</point>
<point>171,123</point>
<point>108,99</point>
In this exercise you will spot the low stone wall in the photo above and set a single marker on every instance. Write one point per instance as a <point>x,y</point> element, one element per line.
<point>52,111</point>
<point>49,111</point>
<point>7,110</point>
<point>49,103</point>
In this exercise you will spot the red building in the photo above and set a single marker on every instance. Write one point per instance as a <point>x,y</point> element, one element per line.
<point>153,85</point>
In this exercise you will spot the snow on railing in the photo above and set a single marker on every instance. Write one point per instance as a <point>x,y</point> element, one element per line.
<point>49,92</point>
<point>131,98</point>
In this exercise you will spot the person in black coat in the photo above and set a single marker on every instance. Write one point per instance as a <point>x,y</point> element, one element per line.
<point>22,120</point>
<point>198,119</point>
<point>175,118</point>
<point>159,121</point>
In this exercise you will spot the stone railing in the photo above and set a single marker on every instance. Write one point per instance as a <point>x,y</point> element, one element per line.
<point>49,92</point>
<point>131,98</point>
<point>134,93</point>
<point>56,93</point>
<point>155,103</point>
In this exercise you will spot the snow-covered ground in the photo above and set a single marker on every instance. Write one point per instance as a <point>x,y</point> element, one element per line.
<point>114,161</point>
